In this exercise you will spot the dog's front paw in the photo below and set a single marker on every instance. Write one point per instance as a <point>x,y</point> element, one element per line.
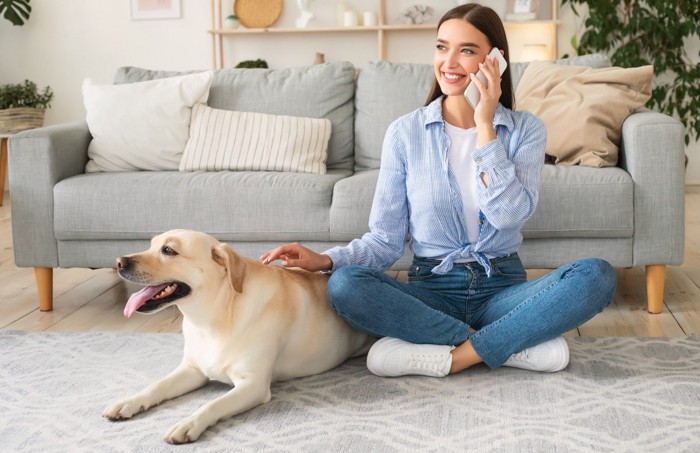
<point>188,430</point>
<point>124,409</point>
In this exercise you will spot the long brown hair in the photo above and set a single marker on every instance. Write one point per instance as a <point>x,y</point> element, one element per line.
<point>487,22</point>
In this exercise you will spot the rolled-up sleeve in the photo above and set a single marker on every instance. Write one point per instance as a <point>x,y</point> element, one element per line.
<point>510,198</point>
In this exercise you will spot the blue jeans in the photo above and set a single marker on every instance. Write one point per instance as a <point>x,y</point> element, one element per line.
<point>508,312</point>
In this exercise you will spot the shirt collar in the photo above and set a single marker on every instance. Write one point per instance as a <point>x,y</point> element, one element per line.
<point>433,114</point>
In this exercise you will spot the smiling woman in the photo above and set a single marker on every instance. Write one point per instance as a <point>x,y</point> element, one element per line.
<point>488,31</point>
<point>461,181</point>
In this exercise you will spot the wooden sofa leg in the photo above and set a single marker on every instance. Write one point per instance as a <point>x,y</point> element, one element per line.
<point>655,287</point>
<point>44,285</point>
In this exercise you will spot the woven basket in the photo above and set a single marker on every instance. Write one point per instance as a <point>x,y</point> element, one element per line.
<point>20,119</point>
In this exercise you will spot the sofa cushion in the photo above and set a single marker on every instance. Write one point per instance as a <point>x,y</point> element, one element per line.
<point>233,206</point>
<point>575,202</point>
<point>319,91</point>
<point>228,140</point>
<point>595,60</point>
<point>583,202</point>
<point>583,108</point>
<point>352,202</point>
<point>141,126</point>
<point>385,91</point>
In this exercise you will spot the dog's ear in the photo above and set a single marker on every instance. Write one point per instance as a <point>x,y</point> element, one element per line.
<point>235,266</point>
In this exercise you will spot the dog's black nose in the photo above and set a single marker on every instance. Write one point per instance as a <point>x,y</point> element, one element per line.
<point>122,262</point>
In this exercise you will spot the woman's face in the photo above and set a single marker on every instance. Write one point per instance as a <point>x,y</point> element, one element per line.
<point>459,49</point>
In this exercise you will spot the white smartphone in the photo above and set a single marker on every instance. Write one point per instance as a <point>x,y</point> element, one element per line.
<point>472,92</point>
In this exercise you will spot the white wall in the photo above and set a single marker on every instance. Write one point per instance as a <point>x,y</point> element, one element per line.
<point>65,41</point>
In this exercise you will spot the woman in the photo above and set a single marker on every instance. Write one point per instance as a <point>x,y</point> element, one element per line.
<point>462,181</point>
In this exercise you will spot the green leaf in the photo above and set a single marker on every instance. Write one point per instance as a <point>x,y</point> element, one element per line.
<point>16,11</point>
<point>639,32</point>
<point>25,94</point>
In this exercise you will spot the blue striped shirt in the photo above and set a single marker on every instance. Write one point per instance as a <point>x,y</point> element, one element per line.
<point>418,194</point>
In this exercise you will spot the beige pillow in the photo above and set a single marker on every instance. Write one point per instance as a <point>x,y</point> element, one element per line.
<point>230,140</point>
<point>583,108</point>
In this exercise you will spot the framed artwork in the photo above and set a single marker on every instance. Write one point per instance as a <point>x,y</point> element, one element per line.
<point>155,9</point>
<point>522,6</point>
<point>521,10</point>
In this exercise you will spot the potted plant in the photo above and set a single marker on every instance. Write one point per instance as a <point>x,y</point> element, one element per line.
<point>16,11</point>
<point>637,33</point>
<point>22,106</point>
<point>252,64</point>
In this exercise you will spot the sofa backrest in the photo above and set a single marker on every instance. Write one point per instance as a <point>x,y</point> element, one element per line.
<point>319,91</point>
<point>385,91</point>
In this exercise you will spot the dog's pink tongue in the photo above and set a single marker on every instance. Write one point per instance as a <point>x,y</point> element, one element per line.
<point>139,298</point>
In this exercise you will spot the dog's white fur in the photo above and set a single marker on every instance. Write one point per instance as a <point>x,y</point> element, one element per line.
<point>244,323</point>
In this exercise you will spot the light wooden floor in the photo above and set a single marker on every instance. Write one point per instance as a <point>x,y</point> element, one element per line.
<point>93,300</point>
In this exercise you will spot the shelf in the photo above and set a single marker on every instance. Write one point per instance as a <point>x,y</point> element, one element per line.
<point>244,31</point>
<point>398,27</point>
<point>382,30</point>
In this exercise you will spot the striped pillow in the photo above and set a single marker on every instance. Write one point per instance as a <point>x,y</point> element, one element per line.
<point>246,141</point>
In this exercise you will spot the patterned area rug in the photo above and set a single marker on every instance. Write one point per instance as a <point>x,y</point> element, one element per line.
<point>618,394</point>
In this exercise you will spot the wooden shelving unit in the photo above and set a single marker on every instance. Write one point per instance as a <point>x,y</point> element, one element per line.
<point>218,32</point>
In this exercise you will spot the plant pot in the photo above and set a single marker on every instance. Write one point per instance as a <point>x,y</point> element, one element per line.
<point>20,119</point>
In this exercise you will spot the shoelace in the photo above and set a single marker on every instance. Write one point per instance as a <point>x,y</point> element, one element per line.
<point>426,362</point>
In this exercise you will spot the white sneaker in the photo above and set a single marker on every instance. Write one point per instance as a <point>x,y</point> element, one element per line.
<point>391,357</point>
<point>550,356</point>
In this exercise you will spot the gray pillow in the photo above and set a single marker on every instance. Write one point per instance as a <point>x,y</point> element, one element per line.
<point>318,91</point>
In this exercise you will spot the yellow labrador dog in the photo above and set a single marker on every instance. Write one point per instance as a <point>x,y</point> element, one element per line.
<point>244,324</point>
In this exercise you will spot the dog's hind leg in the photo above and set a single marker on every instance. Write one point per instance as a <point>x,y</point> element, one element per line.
<point>249,391</point>
<point>183,379</point>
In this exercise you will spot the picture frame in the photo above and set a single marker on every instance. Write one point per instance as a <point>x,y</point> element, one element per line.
<point>522,6</point>
<point>521,10</point>
<point>155,9</point>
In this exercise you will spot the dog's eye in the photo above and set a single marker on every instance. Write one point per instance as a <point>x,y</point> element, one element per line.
<point>166,250</point>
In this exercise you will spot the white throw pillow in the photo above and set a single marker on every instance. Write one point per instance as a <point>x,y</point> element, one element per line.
<point>143,125</point>
<point>230,140</point>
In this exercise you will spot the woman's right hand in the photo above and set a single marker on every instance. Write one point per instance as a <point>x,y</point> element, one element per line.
<point>296,255</point>
<point>490,94</point>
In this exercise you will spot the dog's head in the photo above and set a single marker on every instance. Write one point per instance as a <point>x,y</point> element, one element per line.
<point>179,265</point>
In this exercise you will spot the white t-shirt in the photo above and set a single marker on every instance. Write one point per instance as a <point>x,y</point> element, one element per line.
<point>462,146</point>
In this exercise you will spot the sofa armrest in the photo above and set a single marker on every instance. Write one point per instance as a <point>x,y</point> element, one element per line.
<point>38,159</point>
<point>652,152</point>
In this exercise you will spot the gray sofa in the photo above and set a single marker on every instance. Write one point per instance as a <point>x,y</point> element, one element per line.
<point>630,215</point>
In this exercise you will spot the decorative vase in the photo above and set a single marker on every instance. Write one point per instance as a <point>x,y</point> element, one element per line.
<point>340,11</point>
<point>369,19</point>
<point>306,17</point>
<point>20,119</point>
